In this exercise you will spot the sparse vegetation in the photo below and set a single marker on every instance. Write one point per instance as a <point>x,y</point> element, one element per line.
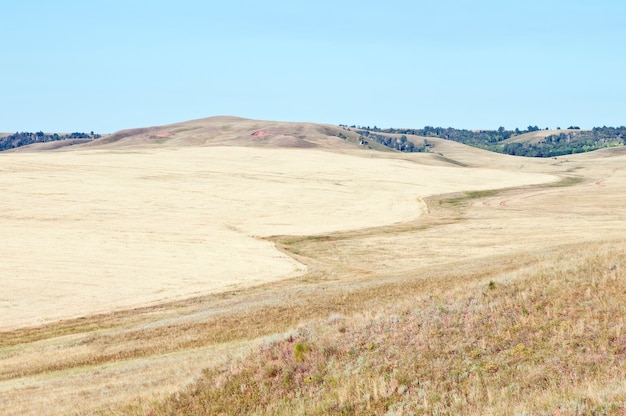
<point>397,143</point>
<point>549,342</point>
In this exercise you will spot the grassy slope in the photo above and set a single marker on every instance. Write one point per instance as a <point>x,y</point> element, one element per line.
<point>222,131</point>
<point>536,136</point>
<point>372,330</point>
<point>229,131</point>
<point>547,342</point>
<point>511,338</point>
<point>520,334</point>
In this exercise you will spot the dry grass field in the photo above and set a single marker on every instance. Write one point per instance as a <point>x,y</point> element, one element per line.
<point>197,269</point>
<point>537,136</point>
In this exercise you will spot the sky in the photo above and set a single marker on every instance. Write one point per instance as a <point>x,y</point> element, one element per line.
<point>107,65</point>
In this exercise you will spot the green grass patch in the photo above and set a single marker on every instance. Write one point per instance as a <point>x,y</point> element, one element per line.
<point>466,197</point>
<point>290,241</point>
<point>568,181</point>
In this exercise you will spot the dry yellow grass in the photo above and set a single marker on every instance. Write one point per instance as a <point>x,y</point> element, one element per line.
<point>93,231</point>
<point>549,340</point>
<point>537,136</point>
<point>362,271</point>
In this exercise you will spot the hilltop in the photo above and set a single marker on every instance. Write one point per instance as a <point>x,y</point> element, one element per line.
<point>212,131</point>
<point>236,131</point>
<point>537,136</point>
<point>233,131</point>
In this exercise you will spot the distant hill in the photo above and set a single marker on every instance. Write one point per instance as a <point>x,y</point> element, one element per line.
<point>535,136</point>
<point>236,131</point>
<point>532,142</point>
<point>20,139</point>
<point>226,131</point>
<point>549,143</point>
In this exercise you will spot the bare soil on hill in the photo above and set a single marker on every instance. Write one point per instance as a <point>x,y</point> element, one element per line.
<point>131,267</point>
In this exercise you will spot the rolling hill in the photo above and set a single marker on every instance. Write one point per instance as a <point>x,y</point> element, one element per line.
<point>232,131</point>
<point>535,137</point>
<point>227,265</point>
<point>218,131</point>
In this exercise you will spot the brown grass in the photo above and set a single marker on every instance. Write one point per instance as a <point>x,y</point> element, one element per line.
<point>494,302</point>
<point>545,342</point>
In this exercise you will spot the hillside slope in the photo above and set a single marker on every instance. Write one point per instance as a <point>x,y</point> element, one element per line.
<point>233,131</point>
<point>319,279</point>
<point>536,136</point>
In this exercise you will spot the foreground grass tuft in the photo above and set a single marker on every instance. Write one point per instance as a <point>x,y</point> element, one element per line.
<point>549,342</point>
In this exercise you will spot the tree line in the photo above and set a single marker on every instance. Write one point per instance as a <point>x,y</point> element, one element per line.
<point>574,140</point>
<point>401,143</point>
<point>579,141</point>
<point>19,139</point>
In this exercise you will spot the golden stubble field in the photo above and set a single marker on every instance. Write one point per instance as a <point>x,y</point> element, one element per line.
<point>91,231</point>
<point>126,271</point>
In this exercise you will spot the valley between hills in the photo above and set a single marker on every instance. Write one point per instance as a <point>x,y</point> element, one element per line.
<point>235,266</point>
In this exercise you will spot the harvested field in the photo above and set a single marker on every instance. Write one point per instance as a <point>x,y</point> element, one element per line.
<point>128,270</point>
<point>90,231</point>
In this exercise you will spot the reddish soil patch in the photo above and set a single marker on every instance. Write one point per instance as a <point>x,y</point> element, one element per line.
<point>260,133</point>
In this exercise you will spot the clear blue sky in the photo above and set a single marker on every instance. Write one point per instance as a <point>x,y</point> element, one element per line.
<point>105,65</point>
